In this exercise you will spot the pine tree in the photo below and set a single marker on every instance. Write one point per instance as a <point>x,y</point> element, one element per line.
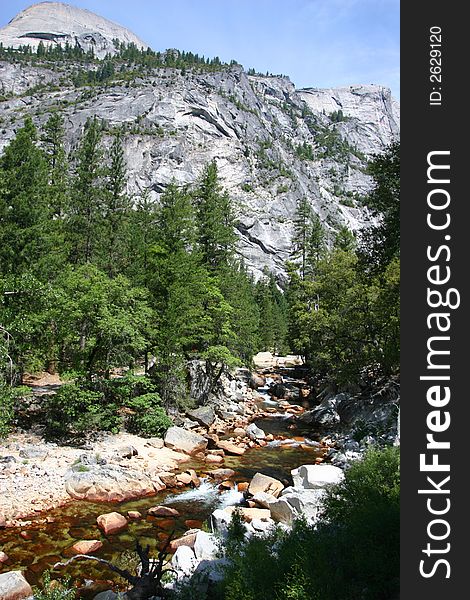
<point>116,208</point>
<point>53,144</point>
<point>381,243</point>
<point>85,216</point>
<point>345,239</point>
<point>215,220</point>
<point>143,233</point>
<point>24,216</point>
<point>308,240</point>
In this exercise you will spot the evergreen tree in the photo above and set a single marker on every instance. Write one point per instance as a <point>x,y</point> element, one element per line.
<point>215,220</point>
<point>53,144</point>
<point>85,215</point>
<point>116,208</point>
<point>308,239</point>
<point>381,243</point>
<point>143,232</point>
<point>238,289</point>
<point>345,239</point>
<point>24,216</point>
<point>273,309</point>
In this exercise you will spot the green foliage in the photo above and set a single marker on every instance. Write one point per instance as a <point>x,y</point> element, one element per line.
<point>57,590</point>
<point>337,116</point>
<point>150,419</point>
<point>273,322</point>
<point>343,322</point>
<point>352,553</point>
<point>7,409</point>
<point>215,220</point>
<point>305,151</point>
<point>381,243</point>
<point>107,285</point>
<point>84,221</point>
<point>75,410</point>
<point>24,240</point>
<point>101,322</point>
<point>308,242</point>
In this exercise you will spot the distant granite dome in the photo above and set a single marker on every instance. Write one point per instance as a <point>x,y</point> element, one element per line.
<point>56,23</point>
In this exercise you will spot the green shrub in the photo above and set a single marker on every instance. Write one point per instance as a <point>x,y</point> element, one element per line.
<point>60,590</point>
<point>7,411</point>
<point>150,418</point>
<point>9,397</point>
<point>75,410</point>
<point>352,554</point>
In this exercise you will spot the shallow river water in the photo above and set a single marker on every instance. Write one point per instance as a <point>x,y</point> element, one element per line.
<point>49,543</point>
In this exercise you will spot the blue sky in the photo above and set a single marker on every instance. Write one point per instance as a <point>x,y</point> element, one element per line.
<point>318,43</point>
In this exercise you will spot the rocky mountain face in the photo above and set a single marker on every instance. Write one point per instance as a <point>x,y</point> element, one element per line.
<point>273,144</point>
<point>57,23</point>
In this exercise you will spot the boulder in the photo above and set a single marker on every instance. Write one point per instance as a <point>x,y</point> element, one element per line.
<point>231,448</point>
<point>254,432</point>
<point>87,546</point>
<point>108,483</point>
<point>239,432</point>
<point>186,540</point>
<point>295,503</point>
<point>264,483</point>
<point>264,360</point>
<point>263,499</point>
<point>316,476</point>
<point>13,586</point>
<point>168,479</point>
<point>214,459</point>
<point>183,561</point>
<point>3,557</point>
<point>127,451</point>
<point>181,440</point>
<point>282,511</point>
<point>256,381</point>
<point>204,415</point>
<point>134,514</point>
<point>205,546</point>
<point>156,442</point>
<point>221,517</point>
<point>324,415</point>
<point>278,390</point>
<point>184,478</point>
<point>3,522</point>
<point>162,511</point>
<point>111,523</point>
<point>262,526</point>
<point>221,474</point>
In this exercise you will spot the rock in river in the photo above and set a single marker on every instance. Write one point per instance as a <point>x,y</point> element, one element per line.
<point>111,523</point>
<point>109,483</point>
<point>13,586</point>
<point>181,440</point>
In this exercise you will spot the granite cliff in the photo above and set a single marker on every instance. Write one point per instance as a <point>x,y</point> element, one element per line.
<point>273,144</point>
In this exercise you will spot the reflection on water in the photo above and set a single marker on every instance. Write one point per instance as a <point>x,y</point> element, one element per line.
<point>51,542</point>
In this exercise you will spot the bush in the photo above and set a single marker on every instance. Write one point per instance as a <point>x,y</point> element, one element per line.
<point>352,554</point>
<point>7,411</point>
<point>150,418</point>
<point>9,397</point>
<point>59,590</point>
<point>75,410</point>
